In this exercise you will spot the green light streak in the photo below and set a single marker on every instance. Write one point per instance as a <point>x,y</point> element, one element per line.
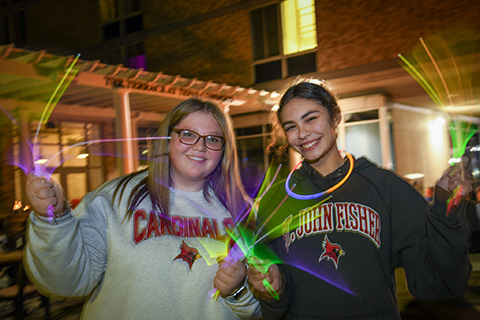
<point>270,289</point>
<point>421,80</point>
<point>54,98</point>
<point>446,82</point>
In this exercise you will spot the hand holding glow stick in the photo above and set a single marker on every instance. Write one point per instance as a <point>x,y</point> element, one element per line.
<point>266,278</point>
<point>459,181</point>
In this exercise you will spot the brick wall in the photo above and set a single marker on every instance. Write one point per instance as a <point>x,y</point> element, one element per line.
<point>415,150</point>
<point>356,32</point>
<point>216,49</point>
<point>63,26</point>
<point>350,33</point>
<point>211,46</point>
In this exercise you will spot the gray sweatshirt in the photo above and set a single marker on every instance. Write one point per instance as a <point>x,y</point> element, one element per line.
<point>146,267</point>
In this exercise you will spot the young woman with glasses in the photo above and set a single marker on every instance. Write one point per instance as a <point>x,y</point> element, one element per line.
<point>145,245</point>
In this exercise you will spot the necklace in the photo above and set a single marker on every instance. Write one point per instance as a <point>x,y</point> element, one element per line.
<point>320,194</point>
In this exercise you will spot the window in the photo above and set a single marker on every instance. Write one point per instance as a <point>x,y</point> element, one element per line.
<point>119,18</point>
<point>109,10</point>
<point>12,23</point>
<point>359,134</point>
<point>252,141</point>
<point>5,35</point>
<point>13,29</point>
<point>284,39</point>
<point>301,64</point>
<point>136,56</point>
<point>131,56</point>
<point>144,145</point>
<point>114,9</point>
<point>133,24</point>
<point>254,162</point>
<point>131,6</point>
<point>79,167</point>
<point>265,32</point>
<point>298,26</point>
<point>363,139</point>
<point>111,30</point>
<point>268,71</point>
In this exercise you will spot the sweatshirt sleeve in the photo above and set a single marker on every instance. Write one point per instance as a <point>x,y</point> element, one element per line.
<point>247,307</point>
<point>277,309</point>
<point>68,257</point>
<point>429,244</point>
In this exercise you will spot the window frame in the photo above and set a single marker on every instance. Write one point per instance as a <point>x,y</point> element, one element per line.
<point>283,58</point>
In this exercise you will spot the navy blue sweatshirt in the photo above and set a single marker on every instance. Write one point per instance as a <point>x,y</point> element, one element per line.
<point>339,251</point>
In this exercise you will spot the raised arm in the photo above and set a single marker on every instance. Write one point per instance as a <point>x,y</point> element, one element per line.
<point>46,197</point>
<point>434,252</point>
<point>66,251</point>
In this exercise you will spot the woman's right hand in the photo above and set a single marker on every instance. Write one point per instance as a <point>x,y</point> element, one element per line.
<point>46,197</point>
<point>274,277</point>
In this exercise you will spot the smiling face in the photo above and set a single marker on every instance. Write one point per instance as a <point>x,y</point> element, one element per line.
<point>311,131</point>
<point>192,164</point>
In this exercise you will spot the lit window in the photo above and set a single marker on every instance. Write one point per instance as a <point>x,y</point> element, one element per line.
<point>298,26</point>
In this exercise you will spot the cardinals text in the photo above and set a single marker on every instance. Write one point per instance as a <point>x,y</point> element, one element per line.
<point>148,225</point>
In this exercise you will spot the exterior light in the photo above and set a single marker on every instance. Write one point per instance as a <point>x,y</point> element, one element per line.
<point>41,161</point>
<point>452,161</point>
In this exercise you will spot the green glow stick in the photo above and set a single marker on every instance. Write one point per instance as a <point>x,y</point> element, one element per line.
<point>270,289</point>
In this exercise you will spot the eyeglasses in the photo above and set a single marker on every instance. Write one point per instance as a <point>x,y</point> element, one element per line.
<point>190,137</point>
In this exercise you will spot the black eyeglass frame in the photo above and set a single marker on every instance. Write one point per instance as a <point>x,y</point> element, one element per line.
<point>222,139</point>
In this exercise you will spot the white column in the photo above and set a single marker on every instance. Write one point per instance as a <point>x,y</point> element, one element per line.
<point>123,130</point>
<point>136,158</point>
<point>25,153</point>
<point>385,140</point>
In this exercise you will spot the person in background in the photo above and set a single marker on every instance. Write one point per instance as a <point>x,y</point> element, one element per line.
<point>145,245</point>
<point>473,218</point>
<point>347,224</point>
<point>429,192</point>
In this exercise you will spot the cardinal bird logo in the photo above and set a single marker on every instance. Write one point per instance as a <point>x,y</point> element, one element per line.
<point>188,254</point>
<point>331,251</point>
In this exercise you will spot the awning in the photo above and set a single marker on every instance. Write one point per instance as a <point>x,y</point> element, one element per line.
<point>32,76</point>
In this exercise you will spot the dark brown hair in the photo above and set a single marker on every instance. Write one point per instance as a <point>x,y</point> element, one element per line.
<point>311,89</point>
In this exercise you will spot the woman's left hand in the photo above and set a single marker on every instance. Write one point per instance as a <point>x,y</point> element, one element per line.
<point>457,175</point>
<point>229,277</point>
